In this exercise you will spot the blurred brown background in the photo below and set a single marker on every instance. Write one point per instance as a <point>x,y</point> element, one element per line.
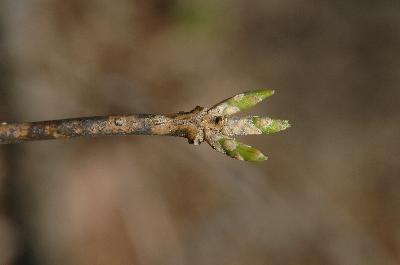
<point>329,194</point>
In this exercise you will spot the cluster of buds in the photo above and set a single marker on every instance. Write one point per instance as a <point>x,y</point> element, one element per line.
<point>221,136</point>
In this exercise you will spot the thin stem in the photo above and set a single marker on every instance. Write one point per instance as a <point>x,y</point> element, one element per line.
<point>180,124</point>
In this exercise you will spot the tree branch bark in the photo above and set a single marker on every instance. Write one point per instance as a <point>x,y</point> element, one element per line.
<point>183,124</point>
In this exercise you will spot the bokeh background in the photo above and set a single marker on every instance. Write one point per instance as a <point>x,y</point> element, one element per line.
<point>329,194</point>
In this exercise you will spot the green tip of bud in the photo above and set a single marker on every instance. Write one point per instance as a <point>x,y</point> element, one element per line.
<point>248,99</point>
<point>241,102</point>
<point>268,125</point>
<point>263,93</point>
<point>241,151</point>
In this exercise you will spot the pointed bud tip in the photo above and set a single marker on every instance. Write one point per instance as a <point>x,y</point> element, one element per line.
<point>262,93</point>
<point>260,158</point>
<point>278,125</point>
<point>241,151</point>
<point>249,99</point>
<point>268,91</point>
<point>241,102</point>
<point>268,125</point>
<point>250,154</point>
<point>284,124</point>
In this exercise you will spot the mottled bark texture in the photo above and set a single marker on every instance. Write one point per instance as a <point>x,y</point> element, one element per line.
<point>181,124</point>
<point>213,125</point>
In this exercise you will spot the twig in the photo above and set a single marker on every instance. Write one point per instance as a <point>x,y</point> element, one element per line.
<point>213,125</point>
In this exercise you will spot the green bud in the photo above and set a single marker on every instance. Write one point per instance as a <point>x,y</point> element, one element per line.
<point>268,125</point>
<point>241,102</point>
<point>241,151</point>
